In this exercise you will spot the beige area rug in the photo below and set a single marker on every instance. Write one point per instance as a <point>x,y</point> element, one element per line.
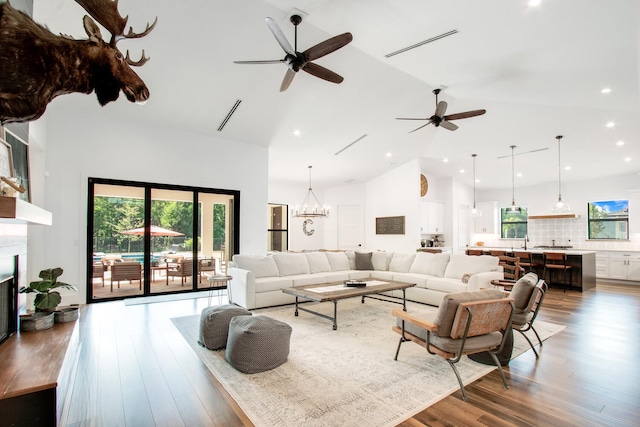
<point>346,377</point>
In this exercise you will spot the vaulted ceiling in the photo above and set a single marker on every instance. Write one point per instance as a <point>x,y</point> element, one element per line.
<point>538,71</point>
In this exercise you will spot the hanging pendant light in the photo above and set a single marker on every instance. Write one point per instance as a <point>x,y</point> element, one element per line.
<point>311,207</point>
<point>513,209</point>
<point>475,212</point>
<point>560,206</point>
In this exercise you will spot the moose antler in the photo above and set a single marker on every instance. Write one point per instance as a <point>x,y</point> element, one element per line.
<point>138,63</point>
<point>106,13</point>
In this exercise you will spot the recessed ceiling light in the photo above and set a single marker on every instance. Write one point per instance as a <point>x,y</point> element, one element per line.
<point>627,159</point>
<point>445,160</point>
<point>477,180</point>
<point>534,3</point>
<point>388,154</point>
<point>610,124</point>
<point>519,174</point>
<point>296,132</point>
<point>606,90</point>
<point>567,168</point>
<point>461,170</point>
<point>620,143</point>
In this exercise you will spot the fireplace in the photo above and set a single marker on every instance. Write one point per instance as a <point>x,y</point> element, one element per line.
<point>8,297</point>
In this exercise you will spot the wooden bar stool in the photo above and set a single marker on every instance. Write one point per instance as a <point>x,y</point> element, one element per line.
<point>557,261</point>
<point>475,252</point>
<point>498,252</point>
<point>526,261</point>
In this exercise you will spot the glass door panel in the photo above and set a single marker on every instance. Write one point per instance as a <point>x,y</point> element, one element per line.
<point>213,236</point>
<point>118,245</point>
<point>172,266</point>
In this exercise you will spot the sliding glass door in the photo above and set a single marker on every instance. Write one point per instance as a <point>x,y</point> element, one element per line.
<point>147,239</point>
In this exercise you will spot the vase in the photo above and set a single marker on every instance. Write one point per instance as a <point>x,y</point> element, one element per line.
<point>68,314</point>
<point>38,321</point>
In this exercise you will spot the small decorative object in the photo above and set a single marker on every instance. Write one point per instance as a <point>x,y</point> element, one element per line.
<point>424,185</point>
<point>304,227</point>
<point>46,298</point>
<point>355,283</point>
<point>36,321</point>
<point>423,243</point>
<point>10,187</point>
<point>479,243</point>
<point>67,314</point>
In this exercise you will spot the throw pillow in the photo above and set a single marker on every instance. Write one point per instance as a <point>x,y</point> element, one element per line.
<point>363,261</point>
<point>318,262</point>
<point>338,261</point>
<point>522,291</point>
<point>260,266</point>
<point>466,277</point>
<point>431,264</point>
<point>380,260</point>
<point>401,263</point>
<point>290,264</point>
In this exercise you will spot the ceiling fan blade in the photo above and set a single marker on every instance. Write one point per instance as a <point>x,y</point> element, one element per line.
<point>269,61</point>
<point>410,118</point>
<point>280,37</point>
<point>288,78</point>
<point>323,73</point>
<point>327,46</point>
<point>441,109</point>
<point>427,124</point>
<point>465,115</point>
<point>448,125</point>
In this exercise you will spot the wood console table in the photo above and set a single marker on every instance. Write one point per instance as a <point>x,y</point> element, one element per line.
<point>35,374</point>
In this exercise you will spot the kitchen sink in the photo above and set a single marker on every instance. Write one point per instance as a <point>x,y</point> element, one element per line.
<point>552,247</point>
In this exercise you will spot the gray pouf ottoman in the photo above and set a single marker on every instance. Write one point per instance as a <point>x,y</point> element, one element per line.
<point>214,324</point>
<point>257,343</point>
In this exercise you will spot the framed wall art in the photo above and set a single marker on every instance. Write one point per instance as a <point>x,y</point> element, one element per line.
<point>20,162</point>
<point>390,225</point>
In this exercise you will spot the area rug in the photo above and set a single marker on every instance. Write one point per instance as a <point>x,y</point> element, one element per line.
<point>345,377</point>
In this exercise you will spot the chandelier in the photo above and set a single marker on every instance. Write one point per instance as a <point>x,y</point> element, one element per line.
<point>311,207</point>
<point>475,212</point>
<point>513,209</point>
<point>560,206</point>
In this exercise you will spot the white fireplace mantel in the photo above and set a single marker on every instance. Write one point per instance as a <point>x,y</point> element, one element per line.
<point>13,210</point>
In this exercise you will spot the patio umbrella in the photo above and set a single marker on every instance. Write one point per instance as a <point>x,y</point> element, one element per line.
<point>155,232</point>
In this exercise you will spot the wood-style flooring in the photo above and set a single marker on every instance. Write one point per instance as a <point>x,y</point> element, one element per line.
<point>135,369</point>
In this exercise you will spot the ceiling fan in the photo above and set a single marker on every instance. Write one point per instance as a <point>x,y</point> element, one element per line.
<point>297,61</point>
<point>439,119</point>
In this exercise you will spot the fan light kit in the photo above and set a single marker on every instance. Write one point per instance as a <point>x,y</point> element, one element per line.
<point>297,61</point>
<point>439,119</point>
<point>513,209</point>
<point>560,206</point>
<point>311,207</point>
<point>475,213</point>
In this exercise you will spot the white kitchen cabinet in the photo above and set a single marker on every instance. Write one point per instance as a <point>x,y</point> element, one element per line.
<point>431,218</point>
<point>602,265</point>
<point>487,223</point>
<point>624,265</point>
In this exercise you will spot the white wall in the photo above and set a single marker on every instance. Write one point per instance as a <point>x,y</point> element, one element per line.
<point>79,146</point>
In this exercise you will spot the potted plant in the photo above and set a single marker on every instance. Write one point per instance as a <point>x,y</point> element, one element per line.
<point>46,301</point>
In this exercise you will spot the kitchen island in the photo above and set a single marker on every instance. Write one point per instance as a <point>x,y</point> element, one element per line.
<point>583,276</point>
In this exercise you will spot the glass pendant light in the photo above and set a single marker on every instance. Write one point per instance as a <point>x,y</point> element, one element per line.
<point>560,206</point>
<point>475,212</point>
<point>513,209</point>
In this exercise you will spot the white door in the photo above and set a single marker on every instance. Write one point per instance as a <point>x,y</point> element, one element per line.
<point>350,227</point>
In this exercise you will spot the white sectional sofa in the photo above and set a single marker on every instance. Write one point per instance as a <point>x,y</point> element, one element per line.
<point>257,281</point>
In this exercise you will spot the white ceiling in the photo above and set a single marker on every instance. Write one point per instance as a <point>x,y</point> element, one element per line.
<point>537,71</point>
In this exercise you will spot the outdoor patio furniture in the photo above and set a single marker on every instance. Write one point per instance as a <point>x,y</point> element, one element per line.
<point>182,269</point>
<point>128,270</point>
<point>206,264</point>
<point>98,271</point>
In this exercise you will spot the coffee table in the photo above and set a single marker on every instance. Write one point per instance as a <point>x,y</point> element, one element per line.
<point>336,291</point>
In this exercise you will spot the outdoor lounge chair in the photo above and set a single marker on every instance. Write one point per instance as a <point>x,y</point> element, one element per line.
<point>182,269</point>
<point>129,270</point>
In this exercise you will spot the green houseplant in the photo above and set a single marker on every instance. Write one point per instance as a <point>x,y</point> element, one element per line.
<point>47,299</point>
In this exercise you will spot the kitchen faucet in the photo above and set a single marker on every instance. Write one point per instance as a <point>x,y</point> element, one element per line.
<point>526,239</point>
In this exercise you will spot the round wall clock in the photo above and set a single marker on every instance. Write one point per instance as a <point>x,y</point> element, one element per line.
<point>424,185</point>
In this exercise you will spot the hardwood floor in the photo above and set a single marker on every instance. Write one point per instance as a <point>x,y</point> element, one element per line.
<point>135,369</point>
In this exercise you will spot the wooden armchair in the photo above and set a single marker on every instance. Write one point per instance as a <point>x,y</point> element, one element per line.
<point>182,269</point>
<point>98,271</point>
<point>129,270</point>
<point>465,323</point>
<point>206,264</point>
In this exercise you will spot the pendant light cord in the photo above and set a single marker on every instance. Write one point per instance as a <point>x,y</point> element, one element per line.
<point>474,180</point>
<point>559,137</point>
<point>513,175</point>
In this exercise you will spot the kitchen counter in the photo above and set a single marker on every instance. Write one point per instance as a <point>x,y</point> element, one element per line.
<point>583,263</point>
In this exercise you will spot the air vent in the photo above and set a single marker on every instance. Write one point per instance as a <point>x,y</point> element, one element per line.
<point>229,114</point>
<point>357,140</point>
<point>413,46</point>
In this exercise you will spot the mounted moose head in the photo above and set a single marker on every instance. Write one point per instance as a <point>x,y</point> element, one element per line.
<point>38,65</point>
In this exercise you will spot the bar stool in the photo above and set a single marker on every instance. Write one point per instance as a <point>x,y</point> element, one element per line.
<point>498,252</point>
<point>557,261</point>
<point>526,261</point>
<point>474,252</point>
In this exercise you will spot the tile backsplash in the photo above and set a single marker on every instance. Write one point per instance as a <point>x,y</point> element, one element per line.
<point>565,232</point>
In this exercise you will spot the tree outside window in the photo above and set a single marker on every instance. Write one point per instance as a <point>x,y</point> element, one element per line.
<point>609,220</point>
<point>513,225</point>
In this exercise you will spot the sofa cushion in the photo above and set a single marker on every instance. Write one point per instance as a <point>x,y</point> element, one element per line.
<point>318,262</point>
<point>449,307</point>
<point>363,261</point>
<point>442,284</point>
<point>260,266</point>
<point>351,255</point>
<point>380,260</point>
<point>522,291</point>
<point>269,284</point>
<point>431,264</point>
<point>459,265</point>
<point>290,264</point>
<point>338,261</point>
<point>401,263</point>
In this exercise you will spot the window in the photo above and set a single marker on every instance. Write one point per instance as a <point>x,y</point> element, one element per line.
<point>278,232</point>
<point>609,219</point>
<point>513,226</point>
